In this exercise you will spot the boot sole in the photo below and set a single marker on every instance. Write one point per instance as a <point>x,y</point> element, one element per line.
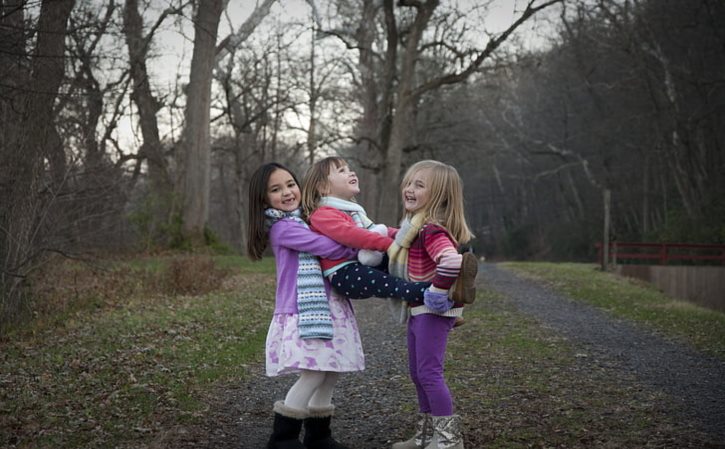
<point>465,289</point>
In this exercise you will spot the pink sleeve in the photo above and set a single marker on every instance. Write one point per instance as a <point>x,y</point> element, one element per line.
<point>342,229</point>
<point>443,252</point>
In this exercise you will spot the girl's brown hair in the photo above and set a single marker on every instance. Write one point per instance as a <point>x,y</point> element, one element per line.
<point>445,203</point>
<point>257,235</point>
<point>316,182</point>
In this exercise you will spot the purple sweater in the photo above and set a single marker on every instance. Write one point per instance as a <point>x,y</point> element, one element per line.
<point>287,238</point>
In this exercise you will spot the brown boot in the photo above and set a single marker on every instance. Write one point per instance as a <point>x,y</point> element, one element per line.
<point>464,289</point>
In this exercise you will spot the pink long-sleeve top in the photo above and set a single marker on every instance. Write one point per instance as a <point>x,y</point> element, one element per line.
<point>341,228</point>
<point>287,238</point>
<point>433,257</point>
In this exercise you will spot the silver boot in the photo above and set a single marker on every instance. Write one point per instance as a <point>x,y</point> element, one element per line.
<point>446,433</point>
<point>423,434</point>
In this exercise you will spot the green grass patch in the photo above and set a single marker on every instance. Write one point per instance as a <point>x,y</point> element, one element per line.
<point>119,372</point>
<point>634,300</point>
<point>521,385</point>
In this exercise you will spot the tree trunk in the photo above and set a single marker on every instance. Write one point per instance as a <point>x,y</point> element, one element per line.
<point>24,160</point>
<point>367,149</point>
<point>605,234</point>
<point>195,141</point>
<point>645,196</point>
<point>314,97</point>
<point>402,130</point>
<point>402,135</point>
<point>145,101</point>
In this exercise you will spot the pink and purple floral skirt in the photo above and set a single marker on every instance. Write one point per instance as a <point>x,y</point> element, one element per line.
<point>288,353</point>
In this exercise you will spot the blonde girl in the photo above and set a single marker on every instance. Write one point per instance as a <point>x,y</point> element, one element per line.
<point>313,332</point>
<point>425,250</point>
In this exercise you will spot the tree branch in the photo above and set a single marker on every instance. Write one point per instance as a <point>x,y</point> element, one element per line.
<point>492,45</point>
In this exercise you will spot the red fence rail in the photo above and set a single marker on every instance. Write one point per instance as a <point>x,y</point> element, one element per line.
<point>663,253</point>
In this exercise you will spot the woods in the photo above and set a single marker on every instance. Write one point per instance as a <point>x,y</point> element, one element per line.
<point>105,146</point>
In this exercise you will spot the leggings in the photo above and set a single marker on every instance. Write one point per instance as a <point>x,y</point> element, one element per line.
<point>358,281</point>
<point>427,339</point>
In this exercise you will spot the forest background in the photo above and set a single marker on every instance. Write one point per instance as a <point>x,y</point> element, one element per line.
<point>99,155</point>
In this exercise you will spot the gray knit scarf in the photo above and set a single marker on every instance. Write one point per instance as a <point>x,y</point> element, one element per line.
<point>315,320</point>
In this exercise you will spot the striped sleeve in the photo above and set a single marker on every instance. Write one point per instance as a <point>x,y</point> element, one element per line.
<point>443,252</point>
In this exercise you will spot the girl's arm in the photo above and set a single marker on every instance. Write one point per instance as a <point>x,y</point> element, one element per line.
<point>295,236</point>
<point>443,251</point>
<point>336,225</point>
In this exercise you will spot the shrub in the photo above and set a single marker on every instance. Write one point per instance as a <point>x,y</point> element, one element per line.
<point>192,275</point>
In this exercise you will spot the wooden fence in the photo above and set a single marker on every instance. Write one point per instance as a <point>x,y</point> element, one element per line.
<point>700,285</point>
<point>661,264</point>
<point>662,253</point>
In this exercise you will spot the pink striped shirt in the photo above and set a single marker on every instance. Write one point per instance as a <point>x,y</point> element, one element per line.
<point>433,257</point>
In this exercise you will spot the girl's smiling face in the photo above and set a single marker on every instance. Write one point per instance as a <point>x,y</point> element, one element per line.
<point>416,193</point>
<point>342,183</point>
<point>283,193</point>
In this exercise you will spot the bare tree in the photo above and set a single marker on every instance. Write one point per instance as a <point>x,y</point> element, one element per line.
<point>408,91</point>
<point>148,105</point>
<point>195,139</point>
<point>195,158</point>
<point>391,90</point>
<point>21,161</point>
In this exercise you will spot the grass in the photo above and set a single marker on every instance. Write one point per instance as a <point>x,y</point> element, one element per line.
<point>116,371</point>
<point>127,358</point>
<point>633,300</point>
<point>522,385</point>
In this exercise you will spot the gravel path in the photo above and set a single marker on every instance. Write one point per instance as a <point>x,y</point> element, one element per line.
<point>242,416</point>
<point>694,381</point>
<point>369,403</point>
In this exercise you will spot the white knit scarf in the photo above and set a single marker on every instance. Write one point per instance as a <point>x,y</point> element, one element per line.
<point>356,211</point>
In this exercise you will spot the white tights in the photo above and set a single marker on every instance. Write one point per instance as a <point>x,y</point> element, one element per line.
<point>312,389</point>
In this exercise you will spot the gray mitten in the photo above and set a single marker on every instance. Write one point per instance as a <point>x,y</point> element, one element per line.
<point>379,229</point>
<point>437,302</point>
<point>369,257</point>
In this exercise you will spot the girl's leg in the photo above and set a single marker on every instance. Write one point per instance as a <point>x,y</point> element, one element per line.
<point>323,395</point>
<point>423,404</point>
<point>357,281</point>
<point>299,395</point>
<point>431,334</point>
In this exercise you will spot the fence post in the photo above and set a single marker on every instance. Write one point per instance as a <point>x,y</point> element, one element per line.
<point>663,254</point>
<point>605,242</point>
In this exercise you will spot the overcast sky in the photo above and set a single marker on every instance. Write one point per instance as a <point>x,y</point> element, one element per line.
<point>174,47</point>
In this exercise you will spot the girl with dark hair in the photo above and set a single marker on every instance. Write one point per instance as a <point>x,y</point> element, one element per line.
<point>313,332</point>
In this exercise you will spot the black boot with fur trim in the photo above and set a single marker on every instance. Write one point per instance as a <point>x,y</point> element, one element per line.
<point>317,429</point>
<point>286,427</point>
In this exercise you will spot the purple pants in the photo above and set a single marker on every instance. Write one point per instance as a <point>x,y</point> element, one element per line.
<point>427,338</point>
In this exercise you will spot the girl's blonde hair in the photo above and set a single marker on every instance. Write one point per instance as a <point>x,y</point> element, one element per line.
<point>316,182</point>
<point>445,201</point>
